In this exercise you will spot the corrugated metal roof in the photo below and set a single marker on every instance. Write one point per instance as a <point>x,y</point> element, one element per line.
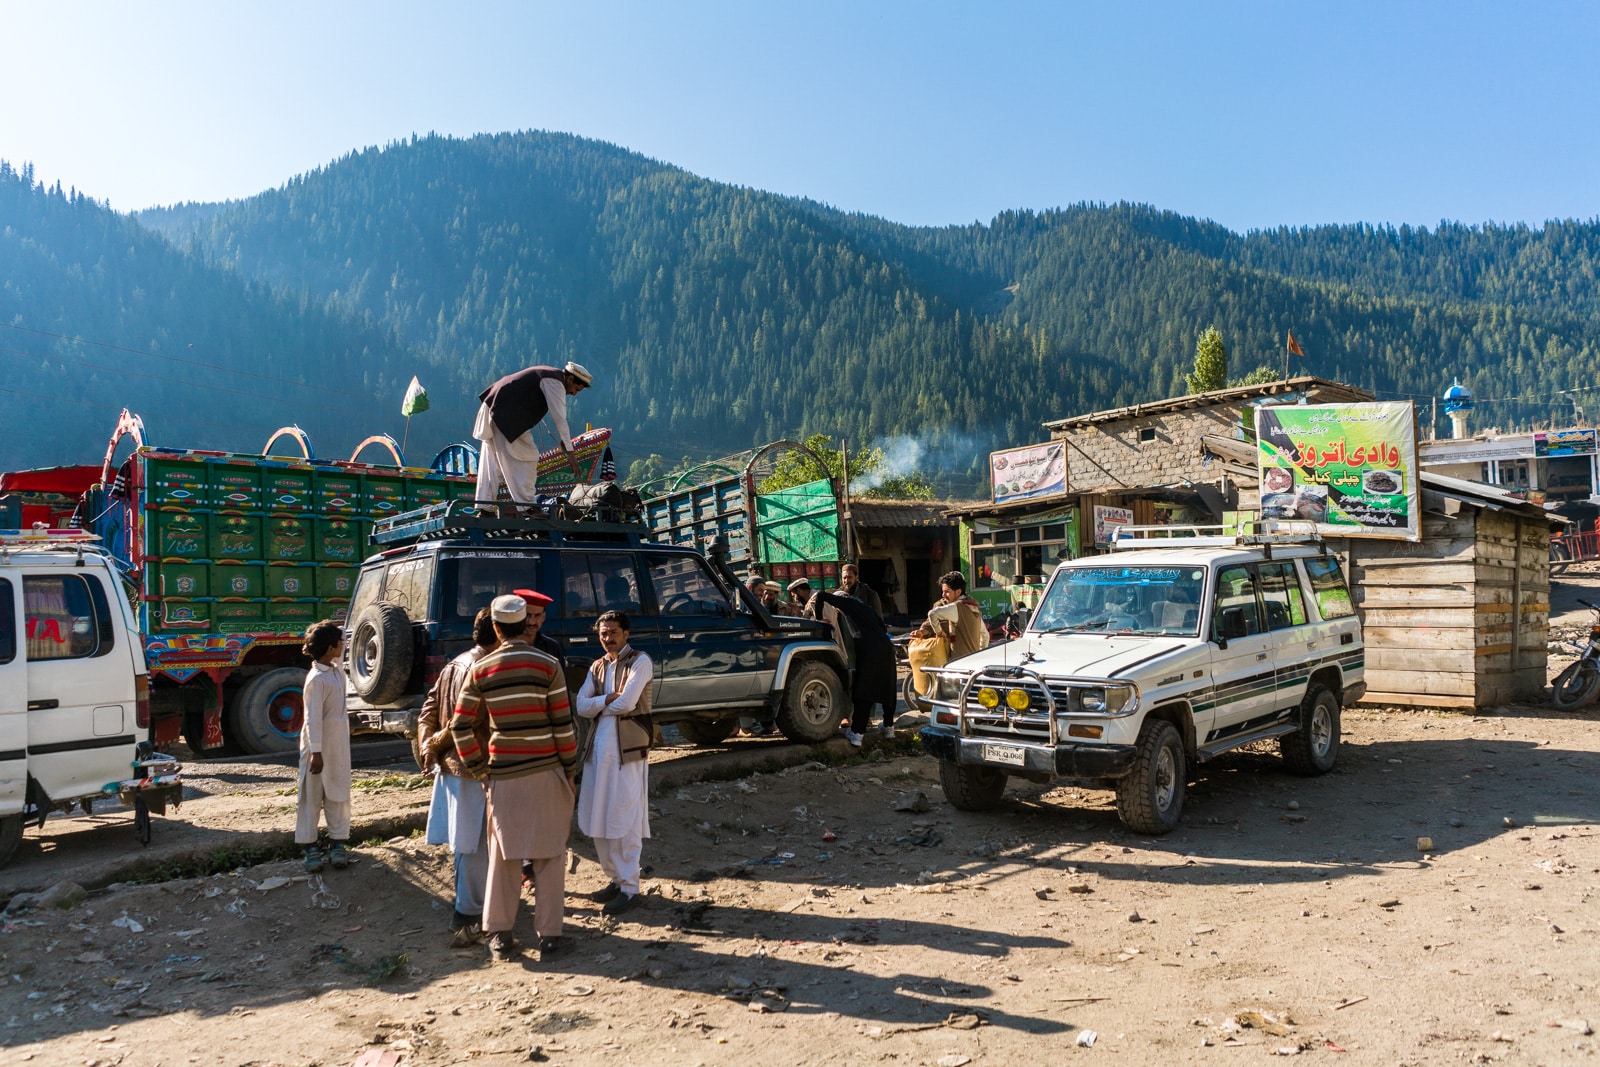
<point>902,514</point>
<point>1328,392</point>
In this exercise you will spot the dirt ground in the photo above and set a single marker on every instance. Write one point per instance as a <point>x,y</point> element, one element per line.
<point>933,937</point>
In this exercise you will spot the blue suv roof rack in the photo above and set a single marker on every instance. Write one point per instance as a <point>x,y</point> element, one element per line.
<point>465,521</point>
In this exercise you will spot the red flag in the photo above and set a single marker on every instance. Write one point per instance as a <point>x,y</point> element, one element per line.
<point>1294,346</point>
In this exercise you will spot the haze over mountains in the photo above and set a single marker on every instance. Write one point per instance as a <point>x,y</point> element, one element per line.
<point>716,317</point>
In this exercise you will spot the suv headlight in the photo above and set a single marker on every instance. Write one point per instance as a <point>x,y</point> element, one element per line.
<point>947,688</point>
<point>1104,700</point>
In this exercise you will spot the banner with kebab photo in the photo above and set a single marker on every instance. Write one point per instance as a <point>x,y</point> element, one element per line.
<point>1349,468</point>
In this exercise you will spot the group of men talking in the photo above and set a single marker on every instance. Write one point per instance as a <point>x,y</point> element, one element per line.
<point>514,755</point>
<point>502,735</point>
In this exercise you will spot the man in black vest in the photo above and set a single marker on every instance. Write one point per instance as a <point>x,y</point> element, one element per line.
<point>509,411</point>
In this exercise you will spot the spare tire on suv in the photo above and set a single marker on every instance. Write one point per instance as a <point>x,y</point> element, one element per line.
<point>381,653</point>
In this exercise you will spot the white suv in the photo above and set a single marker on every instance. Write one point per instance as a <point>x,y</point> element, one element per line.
<point>1139,663</point>
<point>74,695</point>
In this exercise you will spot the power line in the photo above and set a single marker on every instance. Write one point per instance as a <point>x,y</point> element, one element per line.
<point>159,355</point>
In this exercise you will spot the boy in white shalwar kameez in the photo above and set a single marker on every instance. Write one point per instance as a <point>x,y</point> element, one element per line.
<point>613,804</point>
<point>324,785</point>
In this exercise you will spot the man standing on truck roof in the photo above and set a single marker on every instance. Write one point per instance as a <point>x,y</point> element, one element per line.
<point>509,411</point>
<point>529,760</point>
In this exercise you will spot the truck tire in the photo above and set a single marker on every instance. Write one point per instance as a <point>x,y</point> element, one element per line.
<point>381,653</point>
<point>1314,748</point>
<point>706,732</point>
<point>1150,798</point>
<point>265,716</point>
<point>969,787</point>
<point>813,703</point>
<point>10,837</point>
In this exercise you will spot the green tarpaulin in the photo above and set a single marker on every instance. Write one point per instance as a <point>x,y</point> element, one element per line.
<point>798,524</point>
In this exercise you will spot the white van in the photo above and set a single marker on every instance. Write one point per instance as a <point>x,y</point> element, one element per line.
<point>74,695</point>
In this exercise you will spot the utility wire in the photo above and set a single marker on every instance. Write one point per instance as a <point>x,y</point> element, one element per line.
<point>159,355</point>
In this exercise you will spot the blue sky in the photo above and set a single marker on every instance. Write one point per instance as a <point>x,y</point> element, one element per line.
<point>1252,114</point>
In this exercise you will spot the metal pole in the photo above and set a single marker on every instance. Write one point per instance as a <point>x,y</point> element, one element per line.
<point>849,532</point>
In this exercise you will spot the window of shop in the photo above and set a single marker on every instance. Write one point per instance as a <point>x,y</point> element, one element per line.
<point>1018,556</point>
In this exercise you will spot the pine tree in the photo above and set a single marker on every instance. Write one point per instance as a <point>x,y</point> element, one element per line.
<point>1210,363</point>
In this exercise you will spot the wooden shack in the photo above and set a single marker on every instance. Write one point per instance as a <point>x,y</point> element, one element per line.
<point>1460,618</point>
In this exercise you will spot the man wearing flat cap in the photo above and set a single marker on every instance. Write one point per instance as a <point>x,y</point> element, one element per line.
<point>509,411</point>
<point>529,761</point>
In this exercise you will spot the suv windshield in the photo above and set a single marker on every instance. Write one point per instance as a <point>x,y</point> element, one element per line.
<point>1152,600</point>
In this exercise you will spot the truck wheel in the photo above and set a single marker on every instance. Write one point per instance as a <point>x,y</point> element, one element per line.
<point>813,703</point>
<point>1314,747</point>
<point>10,837</point>
<point>266,715</point>
<point>380,653</point>
<point>1150,798</point>
<point>971,788</point>
<point>706,732</point>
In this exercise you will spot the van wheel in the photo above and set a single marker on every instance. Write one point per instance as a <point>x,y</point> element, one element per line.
<point>813,703</point>
<point>268,712</point>
<point>1314,747</point>
<point>706,732</point>
<point>969,787</point>
<point>10,837</point>
<point>1150,798</point>
<point>381,653</point>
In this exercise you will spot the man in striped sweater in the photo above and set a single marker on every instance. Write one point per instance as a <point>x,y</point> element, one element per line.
<point>529,761</point>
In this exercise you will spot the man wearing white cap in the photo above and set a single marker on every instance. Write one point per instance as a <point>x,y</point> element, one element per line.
<point>509,411</point>
<point>529,761</point>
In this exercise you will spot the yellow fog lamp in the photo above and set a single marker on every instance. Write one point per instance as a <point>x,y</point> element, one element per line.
<point>988,697</point>
<point>1017,700</point>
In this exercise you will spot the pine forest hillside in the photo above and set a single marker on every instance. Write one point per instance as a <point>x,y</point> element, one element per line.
<point>718,316</point>
<point>98,314</point>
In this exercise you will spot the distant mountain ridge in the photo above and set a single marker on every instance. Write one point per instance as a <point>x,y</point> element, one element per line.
<point>718,316</point>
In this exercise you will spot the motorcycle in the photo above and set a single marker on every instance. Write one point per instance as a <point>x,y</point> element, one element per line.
<point>1578,684</point>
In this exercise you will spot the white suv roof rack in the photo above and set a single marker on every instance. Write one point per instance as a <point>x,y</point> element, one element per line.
<point>1247,532</point>
<point>43,539</point>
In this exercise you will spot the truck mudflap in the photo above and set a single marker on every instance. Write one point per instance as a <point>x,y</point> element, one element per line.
<point>1061,761</point>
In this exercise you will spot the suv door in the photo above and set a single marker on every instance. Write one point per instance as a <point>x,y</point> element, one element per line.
<point>706,645</point>
<point>13,703</point>
<point>1294,632</point>
<point>1243,678</point>
<point>594,582</point>
<point>81,729</point>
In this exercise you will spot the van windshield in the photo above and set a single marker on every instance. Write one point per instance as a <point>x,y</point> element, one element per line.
<point>1117,599</point>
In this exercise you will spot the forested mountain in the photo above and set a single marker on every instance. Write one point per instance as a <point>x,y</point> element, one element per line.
<point>98,314</point>
<point>718,316</point>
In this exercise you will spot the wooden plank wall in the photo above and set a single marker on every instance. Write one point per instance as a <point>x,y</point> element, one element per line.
<point>1437,615</point>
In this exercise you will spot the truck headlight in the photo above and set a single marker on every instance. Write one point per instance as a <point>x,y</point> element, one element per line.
<point>947,689</point>
<point>1103,700</point>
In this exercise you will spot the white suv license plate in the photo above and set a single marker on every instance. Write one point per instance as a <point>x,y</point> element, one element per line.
<point>1011,754</point>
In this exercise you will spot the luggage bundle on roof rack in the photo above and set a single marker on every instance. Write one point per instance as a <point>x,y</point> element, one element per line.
<point>539,522</point>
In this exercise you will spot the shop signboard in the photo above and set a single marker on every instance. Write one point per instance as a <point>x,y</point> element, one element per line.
<point>1564,443</point>
<point>1107,520</point>
<point>1349,468</point>
<point>1028,473</point>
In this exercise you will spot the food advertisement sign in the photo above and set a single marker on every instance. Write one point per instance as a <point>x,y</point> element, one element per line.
<point>1028,473</point>
<point>1349,468</point>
